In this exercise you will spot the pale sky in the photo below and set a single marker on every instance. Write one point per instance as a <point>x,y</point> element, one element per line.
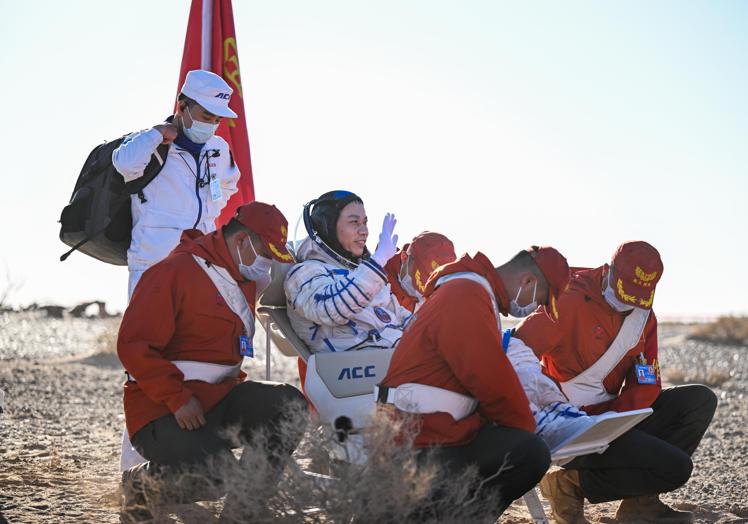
<point>499,124</point>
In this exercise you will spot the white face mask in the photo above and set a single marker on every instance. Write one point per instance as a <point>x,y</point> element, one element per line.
<point>407,283</point>
<point>199,132</point>
<point>258,271</point>
<point>522,311</point>
<point>409,288</point>
<point>610,297</point>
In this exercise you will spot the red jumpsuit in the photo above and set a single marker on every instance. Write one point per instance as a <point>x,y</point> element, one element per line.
<point>176,313</point>
<point>454,343</point>
<point>585,328</point>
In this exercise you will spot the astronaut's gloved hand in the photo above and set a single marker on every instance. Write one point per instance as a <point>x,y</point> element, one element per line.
<point>558,421</point>
<point>387,246</point>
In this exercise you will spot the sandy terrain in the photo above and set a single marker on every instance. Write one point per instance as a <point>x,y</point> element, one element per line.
<point>60,433</point>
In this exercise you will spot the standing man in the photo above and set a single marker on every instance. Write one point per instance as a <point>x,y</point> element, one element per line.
<point>603,352</point>
<point>182,341</point>
<point>410,268</point>
<point>451,370</point>
<point>197,179</point>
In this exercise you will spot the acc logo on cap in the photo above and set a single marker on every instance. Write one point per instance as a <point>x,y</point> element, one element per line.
<point>224,96</point>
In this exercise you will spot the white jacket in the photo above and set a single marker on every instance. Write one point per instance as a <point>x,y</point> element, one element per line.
<point>174,200</point>
<point>332,308</point>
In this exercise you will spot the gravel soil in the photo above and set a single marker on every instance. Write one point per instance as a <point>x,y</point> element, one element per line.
<point>61,429</point>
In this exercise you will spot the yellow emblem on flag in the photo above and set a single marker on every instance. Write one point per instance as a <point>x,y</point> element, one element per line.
<point>434,265</point>
<point>284,232</point>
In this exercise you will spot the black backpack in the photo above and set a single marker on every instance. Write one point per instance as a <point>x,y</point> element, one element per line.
<point>98,219</point>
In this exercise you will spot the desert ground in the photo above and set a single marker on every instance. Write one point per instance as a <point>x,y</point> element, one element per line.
<point>61,428</point>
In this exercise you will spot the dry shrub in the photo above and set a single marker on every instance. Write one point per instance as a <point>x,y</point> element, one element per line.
<point>392,487</point>
<point>106,341</point>
<point>724,330</point>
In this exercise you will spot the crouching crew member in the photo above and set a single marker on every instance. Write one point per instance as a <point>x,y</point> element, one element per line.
<point>410,268</point>
<point>451,371</point>
<point>603,352</point>
<point>182,340</point>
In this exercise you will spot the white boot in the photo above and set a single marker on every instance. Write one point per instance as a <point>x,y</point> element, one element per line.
<point>129,457</point>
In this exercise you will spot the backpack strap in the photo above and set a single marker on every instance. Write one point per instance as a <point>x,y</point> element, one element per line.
<point>153,168</point>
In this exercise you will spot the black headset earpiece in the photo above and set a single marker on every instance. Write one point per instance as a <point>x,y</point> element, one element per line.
<point>308,224</point>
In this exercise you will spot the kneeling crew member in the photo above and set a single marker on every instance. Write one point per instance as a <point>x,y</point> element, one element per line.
<point>603,352</point>
<point>451,368</point>
<point>182,340</point>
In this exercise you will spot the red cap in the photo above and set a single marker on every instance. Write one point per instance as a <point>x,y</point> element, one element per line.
<point>429,251</point>
<point>271,226</point>
<point>637,268</point>
<point>555,269</point>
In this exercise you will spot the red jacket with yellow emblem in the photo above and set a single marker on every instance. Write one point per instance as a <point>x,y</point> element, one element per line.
<point>392,268</point>
<point>585,329</point>
<point>176,313</point>
<point>454,343</point>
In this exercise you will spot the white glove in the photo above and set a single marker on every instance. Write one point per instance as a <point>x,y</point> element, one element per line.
<point>559,421</point>
<point>387,246</point>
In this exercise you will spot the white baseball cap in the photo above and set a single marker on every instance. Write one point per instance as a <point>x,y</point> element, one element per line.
<point>210,91</point>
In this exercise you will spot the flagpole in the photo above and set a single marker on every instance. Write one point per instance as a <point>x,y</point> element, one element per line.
<point>206,34</point>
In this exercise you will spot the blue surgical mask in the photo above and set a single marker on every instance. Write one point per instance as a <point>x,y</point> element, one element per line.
<point>199,132</point>
<point>610,297</point>
<point>258,271</point>
<point>522,311</point>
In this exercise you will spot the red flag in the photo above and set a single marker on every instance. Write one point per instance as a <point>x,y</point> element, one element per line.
<point>210,44</point>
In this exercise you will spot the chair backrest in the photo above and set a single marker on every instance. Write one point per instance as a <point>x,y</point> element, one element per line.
<point>274,294</point>
<point>271,312</point>
<point>278,328</point>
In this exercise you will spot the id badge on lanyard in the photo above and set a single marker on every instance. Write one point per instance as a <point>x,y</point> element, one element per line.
<point>215,189</point>
<point>645,374</point>
<point>245,347</point>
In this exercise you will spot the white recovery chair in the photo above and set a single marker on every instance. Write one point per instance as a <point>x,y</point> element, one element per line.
<point>339,385</point>
<point>341,388</point>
